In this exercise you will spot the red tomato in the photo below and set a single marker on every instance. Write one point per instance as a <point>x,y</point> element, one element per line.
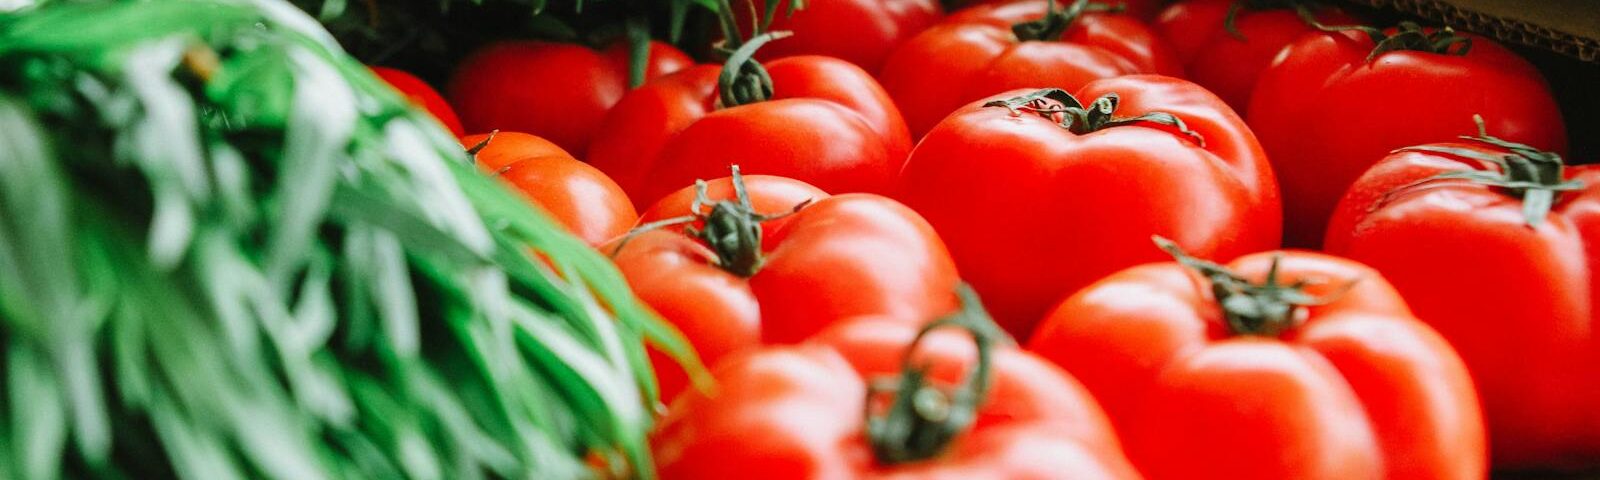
<point>421,95</point>
<point>839,256</point>
<point>975,53</point>
<point>1228,63</point>
<point>797,412</point>
<point>577,195</point>
<point>1140,9</point>
<point>553,90</point>
<point>826,123</point>
<point>1300,365</point>
<point>1510,283</point>
<point>1325,112</point>
<point>862,32</point>
<point>1033,211</point>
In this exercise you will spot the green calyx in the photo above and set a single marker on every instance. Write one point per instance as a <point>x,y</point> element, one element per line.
<point>1056,21</point>
<point>921,420</point>
<point>1534,175</point>
<point>1079,119</point>
<point>1264,309</point>
<point>1407,36</point>
<point>743,80</point>
<point>1306,9</point>
<point>732,229</point>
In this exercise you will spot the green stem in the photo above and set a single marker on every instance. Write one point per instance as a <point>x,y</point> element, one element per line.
<point>1536,176</point>
<point>1407,36</point>
<point>1263,309</point>
<point>743,80</point>
<point>1056,21</point>
<point>1304,8</point>
<point>732,229</point>
<point>922,420</point>
<point>1079,119</point>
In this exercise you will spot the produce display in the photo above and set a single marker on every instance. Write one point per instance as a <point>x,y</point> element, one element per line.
<point>792,239</point>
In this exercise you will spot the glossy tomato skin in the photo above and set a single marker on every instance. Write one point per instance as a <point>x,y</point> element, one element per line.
<point>862,32</point>
<point>555,90</point>
<point>1325,114</point>
<point>1360,389</point>
<point>828,124</point>
<point>974,54</point>
<point>1033,212</point>
<point>575,194</point>
<point>421,95</point>
<point>1516,301</point>
<point>796,412</point>
<point>840,256</point>
<point>1224,64</point>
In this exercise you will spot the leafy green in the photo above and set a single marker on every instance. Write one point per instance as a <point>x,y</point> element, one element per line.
<point>228,251</point>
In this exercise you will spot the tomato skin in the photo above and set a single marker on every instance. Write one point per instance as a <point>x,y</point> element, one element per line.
<point>1325,114</point>
<point>841,256</point>
<point>1032,212</point>
<point>575,194</point>
<point>1360,389</point>
<point>1516,301</point>
<point>1226,65</point>
<point>553,90</point>
<point>421,95</point>
<point>828,124</point>
<point>974,54</point>
<point>862,32</point>
<point>796,412</point>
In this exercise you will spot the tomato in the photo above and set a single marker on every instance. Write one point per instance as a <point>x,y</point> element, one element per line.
<point>1033,211</point>
<point>1325,112</point>
<point>422,96</point>
<point>862,32</point>
<point>1140,9</point>
<point>1506,276</point>
<point>554,90</point>
<point>575,194</point>
<point>747,278</point>
<point>824,121</point>
<point>975,53</point>
<point>1228,62</point>
<point>1282,365</point>
<point>797,412</point>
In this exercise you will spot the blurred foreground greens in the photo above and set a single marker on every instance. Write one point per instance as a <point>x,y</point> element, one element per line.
<point>228,251</point>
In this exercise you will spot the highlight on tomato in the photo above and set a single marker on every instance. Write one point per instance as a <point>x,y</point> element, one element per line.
<point>761,259</point>
<point>820,120</point>
<point>862,32</point>
<point>872,399</point>
<point>1225,44</point>
<point>1279,365</point>
<point>558,91</point>
<point>1038,194</point>
<point>1489,241</point>
<point>422,95</point>
<point>992,48</point>
<point>1334,103</point>
<point>576,195</point>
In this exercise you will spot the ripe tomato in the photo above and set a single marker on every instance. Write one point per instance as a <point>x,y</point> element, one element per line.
<point>797,412</point>
<point>422,96</point>
<point>554,90</point>
<point>1033,210</point>
<point>742,277</point>
<point>1325,112</point>
<point>1506,274</point>
<point>1284,365</point>
<point>978,52</point>
<point>577,195</point>
<point>862,32</point>
<point>822,120</point>
<point>1228,62</point>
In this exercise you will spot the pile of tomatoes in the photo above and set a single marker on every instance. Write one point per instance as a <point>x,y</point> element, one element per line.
<point>1036,239</point>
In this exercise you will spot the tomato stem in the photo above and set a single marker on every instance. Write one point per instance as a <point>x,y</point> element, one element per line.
<point>1075,117</point>
<point>921,420</point>
<point>1056,21</point>
<point>1263,309</point>
<point>1407,36</point>
<point>743,80</point>
<point>731,229</point>
<point>1535,175</point>
<point>1304,8</point>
